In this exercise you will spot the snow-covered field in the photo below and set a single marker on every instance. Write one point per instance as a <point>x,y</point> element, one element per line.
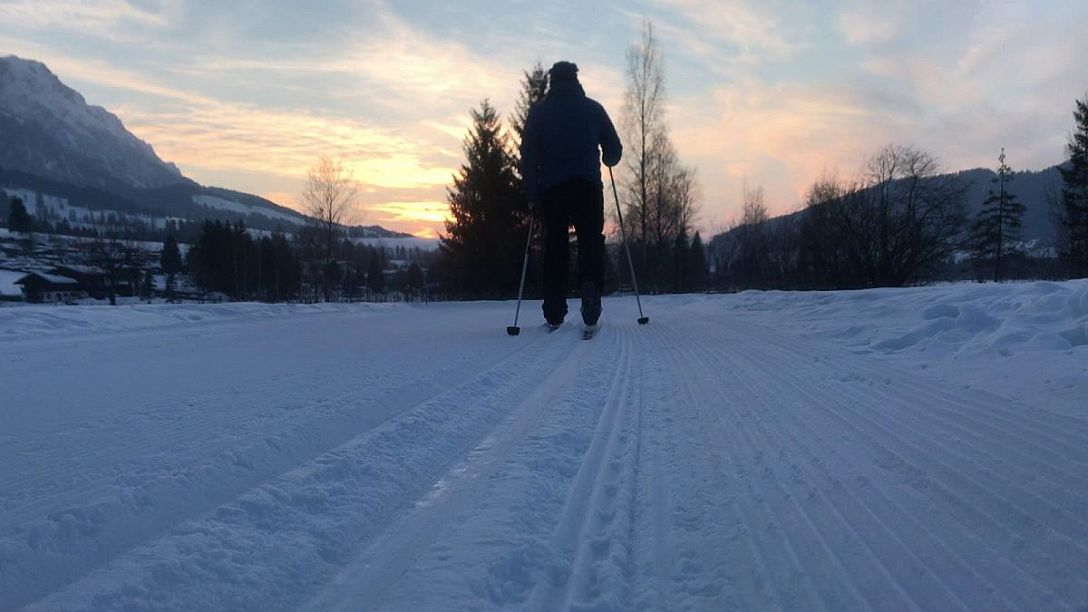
<point>889,449</point>
<point>7,282</point>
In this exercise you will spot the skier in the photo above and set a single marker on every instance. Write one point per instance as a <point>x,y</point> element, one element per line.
<point>561,152</point>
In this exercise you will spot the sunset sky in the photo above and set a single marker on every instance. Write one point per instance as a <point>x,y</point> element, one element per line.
<point>246,94</point>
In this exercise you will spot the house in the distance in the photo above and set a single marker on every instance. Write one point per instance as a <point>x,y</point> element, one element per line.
<point>39,287</point>
<point>92,280</point>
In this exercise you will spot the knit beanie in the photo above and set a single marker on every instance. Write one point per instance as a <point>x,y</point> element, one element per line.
<point>564,71</point>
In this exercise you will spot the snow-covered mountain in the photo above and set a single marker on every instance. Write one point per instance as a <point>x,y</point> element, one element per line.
<point>68,160</point>
<point>51,131</point>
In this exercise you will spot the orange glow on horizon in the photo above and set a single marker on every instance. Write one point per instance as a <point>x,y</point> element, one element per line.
<point>424,219</point>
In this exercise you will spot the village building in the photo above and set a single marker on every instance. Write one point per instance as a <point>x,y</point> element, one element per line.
<point>92,280</point>
<point>40,287</point>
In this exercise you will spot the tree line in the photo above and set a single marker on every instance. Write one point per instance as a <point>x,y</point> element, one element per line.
<point>901,223</point>
<point>227,259</point>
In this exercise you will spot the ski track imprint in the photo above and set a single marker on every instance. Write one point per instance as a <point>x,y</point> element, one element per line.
<point>684,465</point>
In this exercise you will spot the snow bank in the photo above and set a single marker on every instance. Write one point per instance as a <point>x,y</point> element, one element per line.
<point>1017,337</point>
<point>42,321</point>
<point>949,320</point>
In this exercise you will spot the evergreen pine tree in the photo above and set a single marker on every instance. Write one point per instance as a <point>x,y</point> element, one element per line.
<point>375,278</point>
<point>1074,199</point>
<point>19,219</point>
<point>997,226</point>
<point>414,278</point>
<point>681,265</point>
<point>533,89</point>
<point>482,246</point>
<point>171,287</point>
<point>697,264</point>
<point>171,256</point>
<point>147,287</point>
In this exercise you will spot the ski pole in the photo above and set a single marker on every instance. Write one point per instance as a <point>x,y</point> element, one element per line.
<point>642,319</point>
<point>514,330</point>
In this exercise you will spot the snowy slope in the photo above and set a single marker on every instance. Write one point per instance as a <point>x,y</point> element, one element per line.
<point>216,203</point>
<point>854,450</point>
<point>51,131</point>
<point>7,282</point>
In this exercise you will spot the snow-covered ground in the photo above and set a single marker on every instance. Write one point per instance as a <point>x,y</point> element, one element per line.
<point>889,449</point>
<point>7,282</point>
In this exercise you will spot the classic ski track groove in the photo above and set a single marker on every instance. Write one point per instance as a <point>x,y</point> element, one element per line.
<point>128,544</point>
<point>360,585</point>
<point>587,498</point>
<point>218,420</point>
<point>729,466</point>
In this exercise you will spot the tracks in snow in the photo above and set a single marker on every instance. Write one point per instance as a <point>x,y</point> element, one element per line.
<point>683,465</point>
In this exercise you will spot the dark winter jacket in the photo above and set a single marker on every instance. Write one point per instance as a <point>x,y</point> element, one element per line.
<point>561,139</point>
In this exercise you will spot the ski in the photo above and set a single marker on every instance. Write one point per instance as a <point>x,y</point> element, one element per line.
<point>551,327</point>
<point>589,330</point>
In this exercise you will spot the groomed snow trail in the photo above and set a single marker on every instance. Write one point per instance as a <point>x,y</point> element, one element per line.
<point>705,461</point>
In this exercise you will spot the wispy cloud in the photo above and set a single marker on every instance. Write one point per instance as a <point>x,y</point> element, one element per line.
<point>750,29</point>
<point>97,15</point>
<point>869,23</point>
<point>775,92</point>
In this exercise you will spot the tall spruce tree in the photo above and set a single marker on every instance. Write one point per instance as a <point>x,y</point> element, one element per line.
<point>697,264</point>
<point>19,220</point>
<point>534,87</point>
<point>171,256</point>
<point>1074,199</point>
<point>375,275</point>
<point>482,244</point>
<point>997,227</point>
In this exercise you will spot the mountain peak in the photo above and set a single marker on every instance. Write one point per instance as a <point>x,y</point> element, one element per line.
<point>51,131</point>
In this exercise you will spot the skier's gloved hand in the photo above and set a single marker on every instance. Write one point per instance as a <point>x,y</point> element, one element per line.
<point>531,205</point>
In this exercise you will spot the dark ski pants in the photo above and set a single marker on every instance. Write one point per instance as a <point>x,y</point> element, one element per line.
<point>582,203</point>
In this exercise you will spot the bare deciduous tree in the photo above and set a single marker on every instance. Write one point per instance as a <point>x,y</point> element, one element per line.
<point>643,122</point>
<point>896,225</point>
<point>744,252</point>
<point>660,192</point>
<point>330,199</point>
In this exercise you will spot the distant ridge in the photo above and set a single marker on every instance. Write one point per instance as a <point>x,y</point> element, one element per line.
<point>1034,189</point>
<point>84,159</point>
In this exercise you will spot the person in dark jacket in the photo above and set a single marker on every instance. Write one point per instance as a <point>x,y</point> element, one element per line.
<point>561,152</point>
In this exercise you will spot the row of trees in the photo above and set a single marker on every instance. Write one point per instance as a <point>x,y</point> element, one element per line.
<point>227,259</point>
<point>896,225</point>
<point>902,222</point>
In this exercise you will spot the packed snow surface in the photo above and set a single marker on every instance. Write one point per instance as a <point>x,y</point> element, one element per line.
<point>7,283</point>
<point>888,449</point>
